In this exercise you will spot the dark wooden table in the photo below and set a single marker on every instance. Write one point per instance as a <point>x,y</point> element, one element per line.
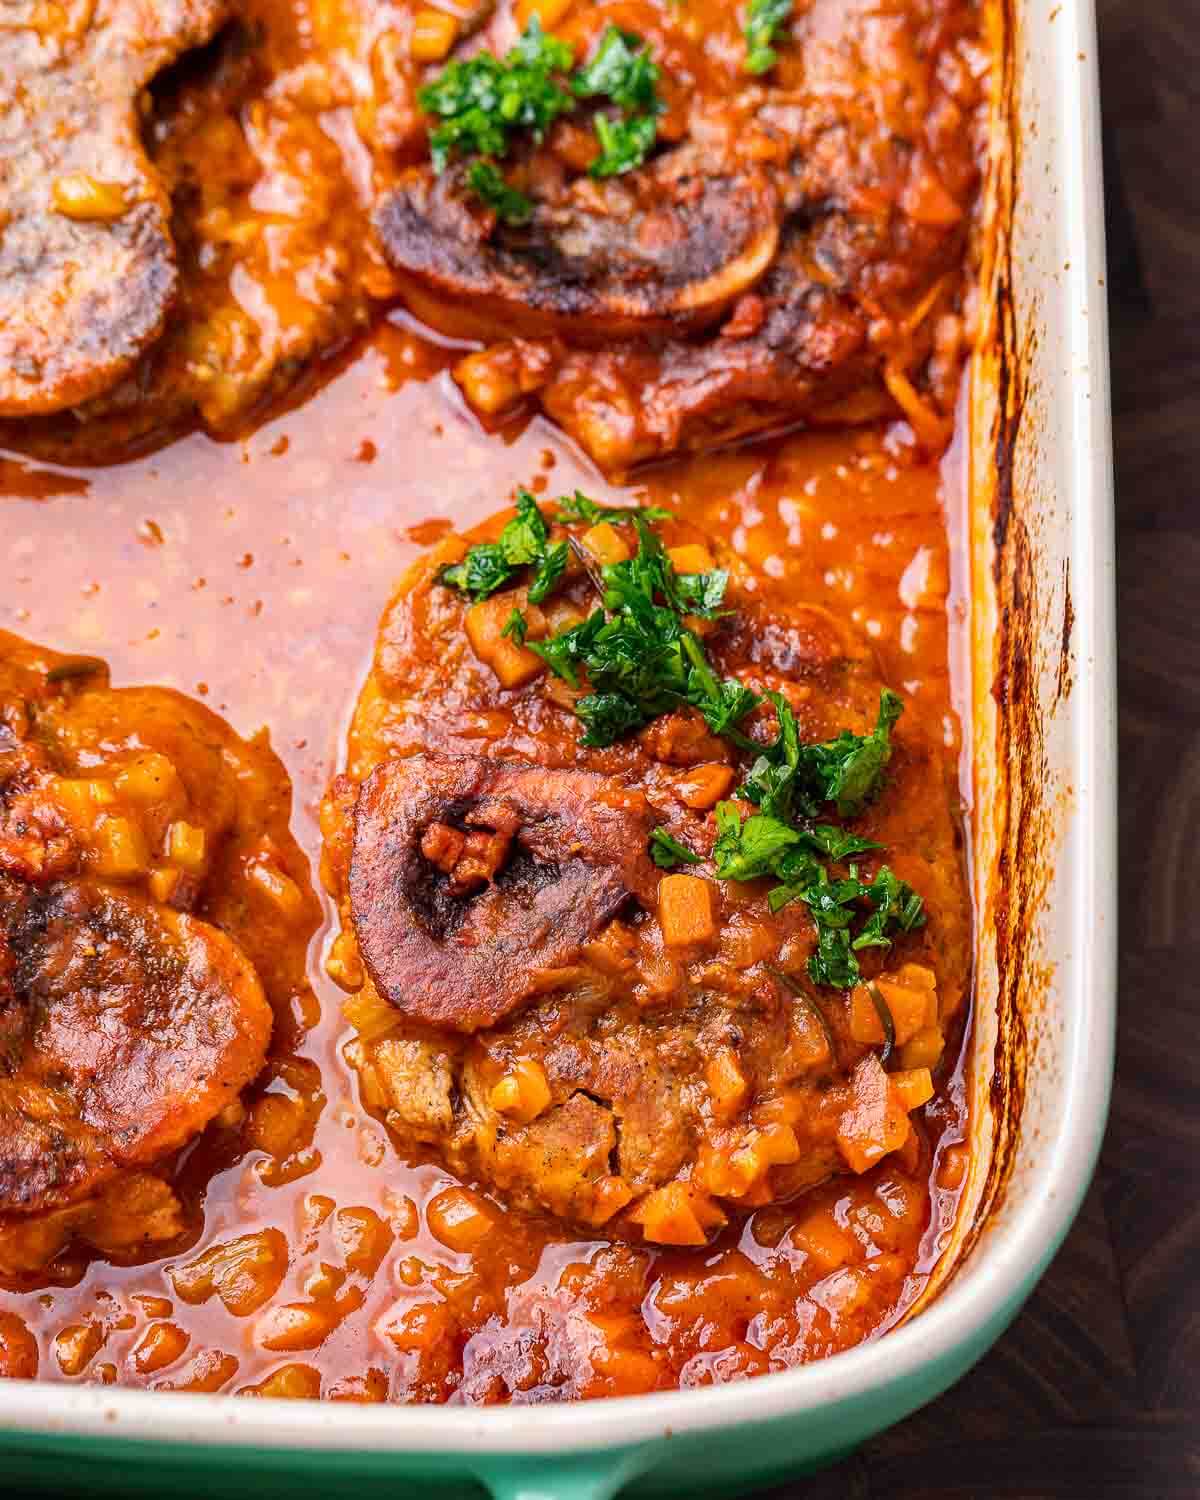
<point>1094,1394</point>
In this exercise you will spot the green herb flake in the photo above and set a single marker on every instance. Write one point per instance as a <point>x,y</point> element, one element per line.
<point>668,852</point>
<point>524,542</point>
<point>765,21</point>
<point>624,144</point>
<point>486,182</point>
<point>621,70</point>
<point>482,100</point>
<point>516,627</point>
<point>579,510</point>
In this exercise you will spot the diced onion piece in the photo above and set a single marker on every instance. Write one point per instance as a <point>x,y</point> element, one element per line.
<point>187,846</point>
<point>119,849</point>
<point>78,195</point>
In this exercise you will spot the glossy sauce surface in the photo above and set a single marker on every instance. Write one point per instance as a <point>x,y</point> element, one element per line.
<point>253,575</point>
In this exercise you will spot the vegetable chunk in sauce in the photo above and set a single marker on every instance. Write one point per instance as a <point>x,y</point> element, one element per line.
<point>551,1011</point>
<point>131,1013</point>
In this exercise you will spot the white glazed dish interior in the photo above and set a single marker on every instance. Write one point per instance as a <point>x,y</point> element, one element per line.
<point>1063,479</point>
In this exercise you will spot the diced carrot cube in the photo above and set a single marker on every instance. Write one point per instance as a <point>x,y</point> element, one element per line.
<point>609,1196</point>
<point>911,996</point>
<point>865,1023</point>
<point>677,1215</point>
<point>606,544</point>
<point>702,787</point>
<point>778,1145</point>
<point>433,34</point>
<point>485,622</point>
<point>924,1050</point>
<point>691,558</point>
<point>913,1088</point>
<point>873,1124</point>
<point>548,12</point>
<point>686,910</point>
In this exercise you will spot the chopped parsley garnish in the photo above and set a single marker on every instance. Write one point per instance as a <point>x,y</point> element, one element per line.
<point>486,182</point>
<point>624,144</point>
<point>763,845</point>
<point>641,659</point>
<point>524,542</point>
<point>622,70</point>
<point>765,20</point>
<point>579,509</point>
<point>792,778</point>
<point>516,627</point>
<point>669,852</point>
<point>483,100</point>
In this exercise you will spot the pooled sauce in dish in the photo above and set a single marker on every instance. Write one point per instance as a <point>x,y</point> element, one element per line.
<point>316,1253</point>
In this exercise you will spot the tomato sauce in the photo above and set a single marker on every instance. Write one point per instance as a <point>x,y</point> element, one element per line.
<point>252,574</point>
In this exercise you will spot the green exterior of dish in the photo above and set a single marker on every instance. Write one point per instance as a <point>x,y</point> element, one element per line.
<point>716,1461</point>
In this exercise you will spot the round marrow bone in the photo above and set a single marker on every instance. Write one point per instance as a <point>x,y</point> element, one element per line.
<point>671,247</point>
<point>469,877</point>
<point>87,264</point>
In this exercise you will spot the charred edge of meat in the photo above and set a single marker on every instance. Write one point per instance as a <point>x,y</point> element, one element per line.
<point>458,943</point>
<point>676,249</point>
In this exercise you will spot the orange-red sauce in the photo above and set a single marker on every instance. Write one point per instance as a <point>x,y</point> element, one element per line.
<point>253,574</point>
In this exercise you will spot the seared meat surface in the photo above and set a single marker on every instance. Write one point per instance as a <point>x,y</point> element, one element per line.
<point>577,1049</point>
<point>126,1029</point>
<point>469,877</point>
<point>137,983</point>
<point>806,231</point>
<point>676,246</point>
<point>87,262</point>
